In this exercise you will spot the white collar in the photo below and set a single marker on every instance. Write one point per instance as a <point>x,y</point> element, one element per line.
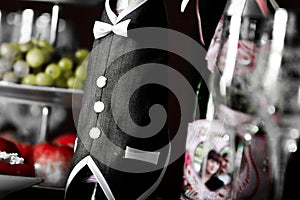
<point>183,5</point>
<point>114,18</point>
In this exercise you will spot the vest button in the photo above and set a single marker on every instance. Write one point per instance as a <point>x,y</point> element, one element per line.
<point>95,133</point>
<point>98,106</point>
<point>101,81</point>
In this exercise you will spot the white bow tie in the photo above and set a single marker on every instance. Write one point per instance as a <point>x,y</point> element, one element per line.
<point>101,29</point>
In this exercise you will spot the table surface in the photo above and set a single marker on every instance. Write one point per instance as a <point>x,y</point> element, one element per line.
<point>38,193</point>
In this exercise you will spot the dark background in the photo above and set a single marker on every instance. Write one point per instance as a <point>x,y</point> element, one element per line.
<point>83,16</point>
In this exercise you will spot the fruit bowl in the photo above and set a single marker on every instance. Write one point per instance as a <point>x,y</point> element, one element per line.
<point>10,184</point>
<point>41,94</point>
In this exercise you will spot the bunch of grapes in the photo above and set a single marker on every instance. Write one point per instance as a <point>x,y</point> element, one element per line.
<point>37,63</point>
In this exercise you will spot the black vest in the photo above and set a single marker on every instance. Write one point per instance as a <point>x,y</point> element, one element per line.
<point>127,162</point>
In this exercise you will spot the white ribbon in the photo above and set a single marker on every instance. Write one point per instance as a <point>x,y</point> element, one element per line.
<point>101,29</point>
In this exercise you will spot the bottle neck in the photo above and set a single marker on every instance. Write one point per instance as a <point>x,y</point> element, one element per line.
<point>122,4</point>
<point>254,22</point>
<point>119,5</point>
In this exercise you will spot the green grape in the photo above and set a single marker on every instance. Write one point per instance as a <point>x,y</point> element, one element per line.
<point>47,55</point>
<point>15,45</point>
<point>80,55</point>
<point>44,44</point>
<point>53,70</point>
<point>29,79</point>
<point>24,47</point>
<point>10,77</point>
<point>80,72</point>
<point>34,41</point>
<point>5,64</point>
<point>60,82</point>
<point>43,79</point>
<point>74,83</point>
<point>35,57</point>
<point>9,50</point>
<point>67,74</point>
<point>65,64</point>
<point>18,55</point>
<point>21,68</point>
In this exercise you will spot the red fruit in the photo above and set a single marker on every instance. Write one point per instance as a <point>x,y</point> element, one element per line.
<point>17,169</point>
<point>23,148</point>
<point>52,163</point>
<point>8,146</point>
<point>67,139</point>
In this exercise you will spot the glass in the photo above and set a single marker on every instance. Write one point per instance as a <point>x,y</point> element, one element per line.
<point>279,95</point>
<point>245,41</point>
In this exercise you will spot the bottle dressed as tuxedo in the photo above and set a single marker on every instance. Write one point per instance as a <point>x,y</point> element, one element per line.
<point>120,142</point>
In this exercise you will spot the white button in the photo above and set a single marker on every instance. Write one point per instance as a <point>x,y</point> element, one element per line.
<point>101,81</point>
<point>98,107</point>
<point>95,133</point>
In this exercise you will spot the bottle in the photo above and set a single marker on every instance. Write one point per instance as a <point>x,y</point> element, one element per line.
<point>121,5</point>
<point>246,23</point>
<point>237,43</point>
<point>245,38</point>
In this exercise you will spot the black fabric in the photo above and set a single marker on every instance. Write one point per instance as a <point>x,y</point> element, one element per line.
<point>214,183</point>
<point>108,58</point>
<point>82,190</point>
